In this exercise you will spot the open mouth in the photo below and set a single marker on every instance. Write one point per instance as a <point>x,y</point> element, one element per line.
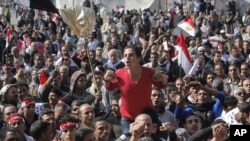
<point>156,102</point>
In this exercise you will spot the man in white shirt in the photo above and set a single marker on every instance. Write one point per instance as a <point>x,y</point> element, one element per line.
<point>92,41</point>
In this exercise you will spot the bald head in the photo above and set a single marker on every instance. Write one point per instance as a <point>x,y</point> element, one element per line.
<point>143,117</point>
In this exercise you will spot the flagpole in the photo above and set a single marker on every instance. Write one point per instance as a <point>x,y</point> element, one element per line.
<point>180,61</point>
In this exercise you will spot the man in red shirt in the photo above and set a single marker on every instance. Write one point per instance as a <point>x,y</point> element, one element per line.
<point>135,83</point>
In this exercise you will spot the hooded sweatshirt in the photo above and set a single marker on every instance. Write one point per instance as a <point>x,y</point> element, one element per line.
<point>86,97</point>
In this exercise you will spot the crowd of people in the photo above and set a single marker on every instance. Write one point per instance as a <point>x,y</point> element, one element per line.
<point>125,82</point>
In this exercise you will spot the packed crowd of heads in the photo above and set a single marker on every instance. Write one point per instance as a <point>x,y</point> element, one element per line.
<point>52,88</point>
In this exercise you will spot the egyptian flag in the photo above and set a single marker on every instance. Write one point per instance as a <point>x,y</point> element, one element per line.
<point>45,5</point>
<point>8,37</point>
<point>187,25</point>
<point>184,59</point>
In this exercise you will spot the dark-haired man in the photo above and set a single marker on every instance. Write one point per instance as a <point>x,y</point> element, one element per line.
<point>39,130</point>
<point>68,128</point>
<point>18,122</point>
<point>132,80</point>
<point>28,112</point>
<point>47,115</point>
<point>10,133</point>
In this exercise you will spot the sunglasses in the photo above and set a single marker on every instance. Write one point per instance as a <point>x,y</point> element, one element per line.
<point>241,93</point>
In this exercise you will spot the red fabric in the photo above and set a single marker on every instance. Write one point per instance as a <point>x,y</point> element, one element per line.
<point>68,124</point>
<point>190,21</point>
<point>14,117</point>
<point>182,43</point>
<point>20,45</point>
<point>8,36</point>
<point>43,78</point>
<point>8,33</point>
<point>135,97</point>
<point>27,102</point>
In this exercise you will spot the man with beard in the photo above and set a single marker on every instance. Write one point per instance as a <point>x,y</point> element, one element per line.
<point>113,60</point>
<point>77,89</point>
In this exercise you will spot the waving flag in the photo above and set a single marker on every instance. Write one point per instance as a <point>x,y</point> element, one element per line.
<point>46,5</point>
<point>184,59</point>
<point>8,37</point>
<point>187,25</point>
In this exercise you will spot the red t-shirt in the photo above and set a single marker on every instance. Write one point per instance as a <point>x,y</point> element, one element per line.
<point>135,97</point>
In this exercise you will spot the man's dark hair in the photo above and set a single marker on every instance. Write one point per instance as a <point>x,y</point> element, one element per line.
<point>56,91</point>
<point>37,128</point>
<point>6,106</point>
<point>45,111</point>
<point>137,50</point>
<point>81,133</point>
<point>153,115</point>
<point>62,105</point>
<point>28,98</point>
<point>19,85</point>
<point>100,44</point>
<point>38,55</point>
<point>99,118</point>
<point>158,89</point>
<point>216,52</point>
<point>184,120</point>
<point>69,118</point>
<point>5,130</point>
<point>244,107</point>
<point>230,101</point>
<point>77,102</point>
